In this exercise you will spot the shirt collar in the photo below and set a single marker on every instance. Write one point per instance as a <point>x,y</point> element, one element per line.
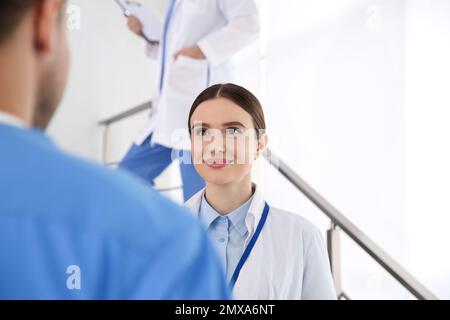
<point>208,215</point>
<point>237,217</point>
<point>254,212</point>
<point>12,120</point>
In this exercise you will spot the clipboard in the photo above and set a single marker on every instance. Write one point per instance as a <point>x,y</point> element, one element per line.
<point>151,27</point>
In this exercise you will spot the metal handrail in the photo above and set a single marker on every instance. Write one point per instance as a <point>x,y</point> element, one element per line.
<point>106,123</point>
<point>369,246</point>
<point>126,114</point>
<point>360,238</point>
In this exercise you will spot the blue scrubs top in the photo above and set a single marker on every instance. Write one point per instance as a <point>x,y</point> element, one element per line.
<point>70,229</point>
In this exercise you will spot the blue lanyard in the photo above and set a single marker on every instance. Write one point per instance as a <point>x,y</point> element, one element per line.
<point>164,42</point>
<point>250,246</point>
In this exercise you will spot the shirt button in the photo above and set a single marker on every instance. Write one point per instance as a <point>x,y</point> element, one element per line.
<point>221,240</point>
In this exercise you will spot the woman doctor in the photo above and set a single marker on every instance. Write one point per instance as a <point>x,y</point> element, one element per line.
<point>267,253</point>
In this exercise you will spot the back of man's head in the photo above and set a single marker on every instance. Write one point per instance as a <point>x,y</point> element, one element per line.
<point>34,58</point>
<point>11,12</point>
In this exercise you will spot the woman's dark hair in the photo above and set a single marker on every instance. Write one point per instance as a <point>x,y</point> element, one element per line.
<point>238,95</point>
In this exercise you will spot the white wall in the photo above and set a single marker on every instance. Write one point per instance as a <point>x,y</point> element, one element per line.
<point>357,99</point>
<point>110,73</point>
<point>427,121</point>
<point>335,77</point>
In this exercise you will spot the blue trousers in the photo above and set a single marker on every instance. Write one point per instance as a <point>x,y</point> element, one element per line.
<point>149,161</point>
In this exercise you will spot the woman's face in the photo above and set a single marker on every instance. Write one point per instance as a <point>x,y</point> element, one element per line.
<point>224,141</point>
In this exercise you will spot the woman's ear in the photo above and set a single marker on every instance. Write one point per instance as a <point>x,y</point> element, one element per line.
<point>263,140</point>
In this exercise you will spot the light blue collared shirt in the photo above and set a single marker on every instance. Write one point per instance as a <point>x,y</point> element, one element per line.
<point>227,233</point>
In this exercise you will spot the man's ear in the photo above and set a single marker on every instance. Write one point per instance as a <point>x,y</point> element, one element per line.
<point>46,21</point>
<point>262,144</point>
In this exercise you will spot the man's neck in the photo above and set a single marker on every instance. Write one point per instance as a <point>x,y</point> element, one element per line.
<point>16,84</point>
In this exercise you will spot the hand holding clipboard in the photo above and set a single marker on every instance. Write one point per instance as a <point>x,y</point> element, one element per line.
<point>151,27</point>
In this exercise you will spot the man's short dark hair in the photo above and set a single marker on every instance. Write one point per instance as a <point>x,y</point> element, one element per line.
<point>11,13</point>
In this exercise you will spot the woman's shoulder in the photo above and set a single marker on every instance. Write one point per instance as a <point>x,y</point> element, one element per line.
<point>286,220</point>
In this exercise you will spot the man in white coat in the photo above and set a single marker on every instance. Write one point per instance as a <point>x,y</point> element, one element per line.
<point>199,39</point>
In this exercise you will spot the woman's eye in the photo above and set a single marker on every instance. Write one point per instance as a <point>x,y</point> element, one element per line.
<point>233,131</point>
<point>201,132</point>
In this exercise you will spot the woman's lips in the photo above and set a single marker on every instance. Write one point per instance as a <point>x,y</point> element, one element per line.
<point>217,163</point>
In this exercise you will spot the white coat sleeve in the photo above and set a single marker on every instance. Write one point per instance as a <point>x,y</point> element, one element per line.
<point>317,279</point>
<point>241,30</point>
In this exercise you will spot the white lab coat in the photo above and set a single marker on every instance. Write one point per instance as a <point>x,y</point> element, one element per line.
<point>289,260</point>
<point>221,28</point>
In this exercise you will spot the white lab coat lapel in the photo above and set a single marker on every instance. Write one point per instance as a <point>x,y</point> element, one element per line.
<point>194,203</point>
<point>255,279</point>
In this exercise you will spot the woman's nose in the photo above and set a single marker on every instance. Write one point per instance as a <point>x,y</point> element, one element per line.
<point>217,143</point>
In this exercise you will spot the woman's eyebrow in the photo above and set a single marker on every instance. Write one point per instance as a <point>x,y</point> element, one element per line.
<point>233,123</point>
<point>200,124</point>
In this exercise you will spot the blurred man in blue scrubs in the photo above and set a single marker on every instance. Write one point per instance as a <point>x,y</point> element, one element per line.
<point>70,229</point>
